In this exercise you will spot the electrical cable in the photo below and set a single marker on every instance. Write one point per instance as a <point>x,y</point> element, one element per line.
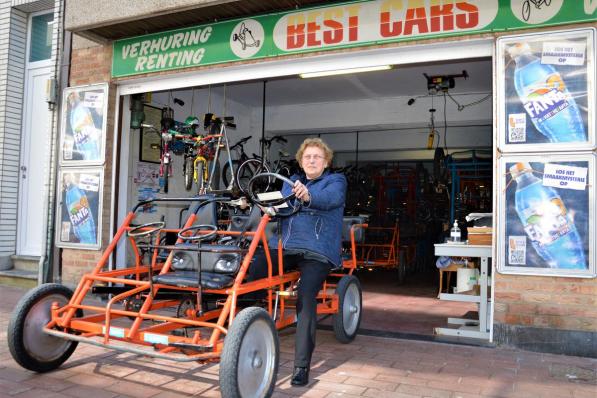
<point>462,107</point>
<point>445,125</point>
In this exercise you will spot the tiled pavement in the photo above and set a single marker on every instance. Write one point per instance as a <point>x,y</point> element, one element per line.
<point>369,367</point>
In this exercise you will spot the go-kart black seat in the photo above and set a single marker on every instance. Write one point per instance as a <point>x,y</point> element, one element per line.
<point>218,263</point>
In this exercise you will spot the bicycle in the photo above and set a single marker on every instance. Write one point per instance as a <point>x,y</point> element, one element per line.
<point>526,7</point>
<point>261,164</point>
<point>228,172</point>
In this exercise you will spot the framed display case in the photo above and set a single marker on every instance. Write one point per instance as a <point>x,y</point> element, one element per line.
<point>545,91</point>
<point>545,220</point>
<point>84,123</point>
<point>80,207</point>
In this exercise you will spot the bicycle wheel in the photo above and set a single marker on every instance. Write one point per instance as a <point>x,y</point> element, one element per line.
<point>200,181</point>
<point>187,171</point>
<point>247,170</point>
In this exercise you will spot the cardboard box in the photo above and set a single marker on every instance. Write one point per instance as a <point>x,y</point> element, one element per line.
<point>480,235</point>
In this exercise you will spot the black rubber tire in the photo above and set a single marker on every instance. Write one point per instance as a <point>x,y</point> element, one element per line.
<point>30,312</point>
<point>251,331</point>
<point>187,171</point>
<point>166,181</point>
<point>350,308</point>
<point>247,170</point>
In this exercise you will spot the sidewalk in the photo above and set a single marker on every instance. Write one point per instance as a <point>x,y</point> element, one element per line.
<point>368,367</point>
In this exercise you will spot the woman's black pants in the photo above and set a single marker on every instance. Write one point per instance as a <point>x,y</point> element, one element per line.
<point>313,274</point>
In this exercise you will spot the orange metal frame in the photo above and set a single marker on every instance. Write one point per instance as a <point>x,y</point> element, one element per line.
<point>379,254</point>
<point>128,330</point>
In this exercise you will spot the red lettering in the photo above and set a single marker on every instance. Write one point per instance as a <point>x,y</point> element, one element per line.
<point>468,20</point>
<point>415,17</point>
<point>442,18</point>
<point>295,36</point>
<point>387,29</point>
<point>353,28</point>
<point>335,34</point>
<point>312,29</point>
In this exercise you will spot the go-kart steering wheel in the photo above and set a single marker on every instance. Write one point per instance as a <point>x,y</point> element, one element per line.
<point>274,202</point>
<point>210,229</point>
<point>153,227</point>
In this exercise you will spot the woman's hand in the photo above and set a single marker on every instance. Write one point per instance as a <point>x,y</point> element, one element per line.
<point>301,191</point>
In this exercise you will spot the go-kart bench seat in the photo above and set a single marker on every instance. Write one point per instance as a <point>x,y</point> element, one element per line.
<point>359,236</point>
<point>219,265</point>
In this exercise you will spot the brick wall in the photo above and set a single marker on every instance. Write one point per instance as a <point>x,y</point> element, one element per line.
<point>88,66</point>
<point>546,302</point>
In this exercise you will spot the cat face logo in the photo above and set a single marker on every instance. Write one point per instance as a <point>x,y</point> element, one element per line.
<point>247,38</point>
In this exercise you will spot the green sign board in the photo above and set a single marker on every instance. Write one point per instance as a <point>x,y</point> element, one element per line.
<point>341,25</point>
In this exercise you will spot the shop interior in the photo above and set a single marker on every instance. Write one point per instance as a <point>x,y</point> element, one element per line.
<point>414,141</point>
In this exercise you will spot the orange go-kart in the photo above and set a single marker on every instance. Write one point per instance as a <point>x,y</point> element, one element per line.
<point>186,301</point>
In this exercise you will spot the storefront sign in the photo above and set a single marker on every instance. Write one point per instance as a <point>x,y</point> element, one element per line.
<point>356,23</point>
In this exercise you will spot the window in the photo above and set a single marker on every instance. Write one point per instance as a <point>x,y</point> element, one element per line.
<point>40,46</point>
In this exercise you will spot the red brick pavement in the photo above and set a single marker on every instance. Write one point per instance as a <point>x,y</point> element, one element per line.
<point>369,367</point>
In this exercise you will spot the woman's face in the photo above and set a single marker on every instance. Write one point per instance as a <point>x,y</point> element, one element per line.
<point>313,162</point>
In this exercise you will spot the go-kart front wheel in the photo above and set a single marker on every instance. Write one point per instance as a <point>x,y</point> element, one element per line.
<point>249,362</point>
<point>350,305</point>
<point>28,344</point>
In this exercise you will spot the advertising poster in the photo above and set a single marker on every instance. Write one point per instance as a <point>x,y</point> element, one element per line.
<point>545,221</point>
<point>546,96</point>
<point>83,129</point>
<point>79,211</point>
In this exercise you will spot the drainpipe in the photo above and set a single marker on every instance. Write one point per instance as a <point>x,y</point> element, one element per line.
<point>61,74</point>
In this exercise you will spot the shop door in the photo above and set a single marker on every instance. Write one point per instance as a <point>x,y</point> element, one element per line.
<point>34,137</point>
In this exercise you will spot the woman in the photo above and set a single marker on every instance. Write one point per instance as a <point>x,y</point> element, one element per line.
<point>312,240</point>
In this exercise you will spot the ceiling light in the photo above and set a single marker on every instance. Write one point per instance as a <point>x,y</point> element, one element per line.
<point>344,71</point>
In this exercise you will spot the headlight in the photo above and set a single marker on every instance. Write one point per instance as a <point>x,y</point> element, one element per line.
<point>183,261</point>
<point>227,264</point>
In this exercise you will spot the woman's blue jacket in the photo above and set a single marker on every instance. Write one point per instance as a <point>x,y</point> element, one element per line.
<point>317,227</point>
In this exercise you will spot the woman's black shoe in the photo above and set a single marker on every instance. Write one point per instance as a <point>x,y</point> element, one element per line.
<point>300,377</point>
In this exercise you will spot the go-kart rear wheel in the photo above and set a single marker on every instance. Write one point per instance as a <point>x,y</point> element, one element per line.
<point>28,344</point>
<point>249,362</point>
<point>350,304</point>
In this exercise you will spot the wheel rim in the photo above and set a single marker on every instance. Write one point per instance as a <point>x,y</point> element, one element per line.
<point>41,346</point>
<point>351,309</point>
<point>256,360</point>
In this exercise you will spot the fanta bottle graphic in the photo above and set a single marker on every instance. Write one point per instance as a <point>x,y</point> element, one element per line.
<point>85,134</point>
<point>545,98</point>
<point>546,221</point>
<point>79,213</point>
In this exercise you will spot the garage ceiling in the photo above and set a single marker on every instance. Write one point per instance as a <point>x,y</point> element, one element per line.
<point>400,81</point>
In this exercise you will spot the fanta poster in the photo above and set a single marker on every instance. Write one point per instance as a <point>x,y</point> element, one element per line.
<point>79,214</point>
<point>548,218</point>
<point>84,124</point>
<point>547,100</point>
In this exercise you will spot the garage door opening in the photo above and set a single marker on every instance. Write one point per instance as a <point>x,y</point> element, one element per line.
<point>417,154</point>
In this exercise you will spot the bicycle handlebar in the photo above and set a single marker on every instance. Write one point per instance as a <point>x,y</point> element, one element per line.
<point>268,142</point>
<point>241,142</point>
